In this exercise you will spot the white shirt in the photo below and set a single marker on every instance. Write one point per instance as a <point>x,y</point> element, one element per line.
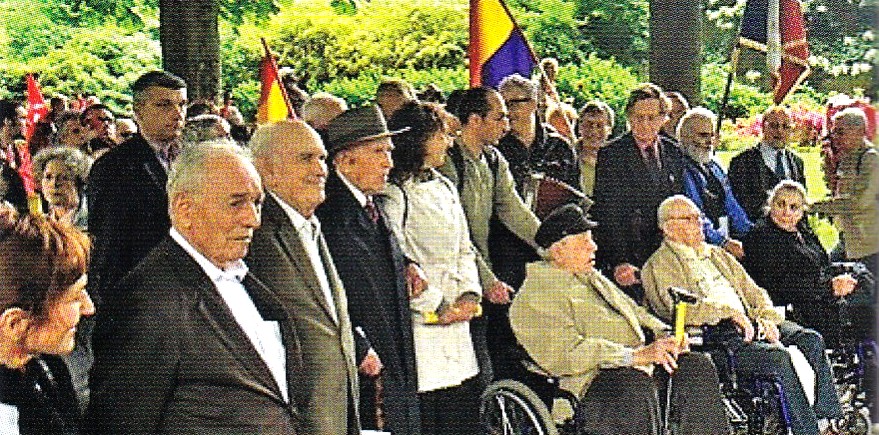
<point>308,231</point>
<point>265,335</point>
<point>769,153</point>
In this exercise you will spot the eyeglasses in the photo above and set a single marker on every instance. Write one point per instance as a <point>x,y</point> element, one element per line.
<point>688,218</point>
<point>779,125</point>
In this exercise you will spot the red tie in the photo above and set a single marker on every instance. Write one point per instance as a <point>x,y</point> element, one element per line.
<point>371,210</point>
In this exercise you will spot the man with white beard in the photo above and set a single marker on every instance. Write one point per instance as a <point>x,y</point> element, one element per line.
<point>724,221</point>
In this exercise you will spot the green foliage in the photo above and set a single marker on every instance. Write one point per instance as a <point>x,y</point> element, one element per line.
<point>362,89</point>
<point>600,79</point>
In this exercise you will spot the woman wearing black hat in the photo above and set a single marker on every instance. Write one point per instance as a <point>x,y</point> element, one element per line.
<point>577,325</point>
<point>426,214</point>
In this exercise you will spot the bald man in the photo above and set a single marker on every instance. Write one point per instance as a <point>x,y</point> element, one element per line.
<point>289,255</point>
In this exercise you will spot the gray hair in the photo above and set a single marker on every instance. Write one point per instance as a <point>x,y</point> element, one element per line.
<point>786,186</point>
<point>187,173</point>
<point>695,113</point>
<point>316,107</point>
<point>853,116</point>
<point>516,82</point>
<point>665,207</point>
<point>77,162</point>
<point>203,128</point>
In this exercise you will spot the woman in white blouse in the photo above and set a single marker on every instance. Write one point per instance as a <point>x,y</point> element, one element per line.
<point>426,214</point>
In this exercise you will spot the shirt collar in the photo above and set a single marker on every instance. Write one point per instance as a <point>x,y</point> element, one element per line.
<point>299,222</point>
<point>688,252</point>
<point>765,148</point>
<point>235,272</point>
<point>360,196</point>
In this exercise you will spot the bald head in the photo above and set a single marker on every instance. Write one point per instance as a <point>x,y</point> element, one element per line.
<point>680,221</point>
<point>291,158</point>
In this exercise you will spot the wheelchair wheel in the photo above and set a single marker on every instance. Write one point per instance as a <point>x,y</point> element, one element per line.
<point>508,407</point>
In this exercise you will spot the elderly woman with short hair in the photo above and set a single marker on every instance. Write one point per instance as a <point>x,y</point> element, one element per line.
<point>63,173</point>
<point>42,298</point>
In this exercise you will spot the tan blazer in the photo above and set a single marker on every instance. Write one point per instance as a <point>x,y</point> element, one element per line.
<point>575,325</point>
<point>330,388</point>
<point>665,269</point>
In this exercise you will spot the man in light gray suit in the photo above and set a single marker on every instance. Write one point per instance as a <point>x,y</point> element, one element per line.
<point>289,255</point>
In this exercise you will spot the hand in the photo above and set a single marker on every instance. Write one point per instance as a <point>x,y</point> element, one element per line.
<point>745,326</point>
<point>768,330</point>
<point>735,248</point>
<point>499,293</point>
<point>663,352</point>
<point>843,285</point>
<point>371,364</point>
<point>461,311</point>
<point>625,275</point>
<point>416,280</point>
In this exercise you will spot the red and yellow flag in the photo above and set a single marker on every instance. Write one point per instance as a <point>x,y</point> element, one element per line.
<point>273,105</point>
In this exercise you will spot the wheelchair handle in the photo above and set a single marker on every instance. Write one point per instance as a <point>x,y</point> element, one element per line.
<point>681,298</point>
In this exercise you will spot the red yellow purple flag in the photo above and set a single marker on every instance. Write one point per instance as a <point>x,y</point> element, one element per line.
<point>498,47</point>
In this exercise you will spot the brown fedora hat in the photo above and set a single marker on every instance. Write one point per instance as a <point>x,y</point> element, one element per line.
<point>355,126</point>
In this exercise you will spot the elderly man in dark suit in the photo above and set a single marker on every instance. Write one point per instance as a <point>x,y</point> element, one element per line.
<point>289,254</point>
<point>127,200</point>
<point>635,172</point>
<point>756,170</point>
<point>378,278</point>
<point>202,346</point>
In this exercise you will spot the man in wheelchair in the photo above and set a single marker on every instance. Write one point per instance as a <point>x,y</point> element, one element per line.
<point>578,326</point>
<point>734,310</point>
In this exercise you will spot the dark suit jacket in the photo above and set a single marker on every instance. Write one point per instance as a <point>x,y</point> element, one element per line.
<point>128,212</point>
<point>372,267</point>
<point>329,387</point>
<point>180,364</point>
<point>626,200</point>
<point>751,179</point>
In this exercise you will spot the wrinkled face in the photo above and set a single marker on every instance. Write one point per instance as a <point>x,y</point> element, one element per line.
<point>298,174</point>
<point>684,224</point>
<point>576,252</point>
<point>593,127</point>
<point>101,122</point>
<point>645,119</point>
<point>776,128</point>
<point>436,147</point>
<point>58,184</point>
<point>522,105</point>
<point>787,209</point>
<point>55,335</point>
<point>847,136</point>
<point>698,138</point>
<point>496,122</point>
<point>218,219</point>
<point>72,134</point>
<point>367,165</point>
<point>161,113</point>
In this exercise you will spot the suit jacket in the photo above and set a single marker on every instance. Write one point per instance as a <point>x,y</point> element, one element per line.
<point>626,200</point>
<point>372,267</point>
<point>329,386</point>
<point>751,179</point>
<point>180,364</point>
<point>574,325</point>
<point>128,212</point>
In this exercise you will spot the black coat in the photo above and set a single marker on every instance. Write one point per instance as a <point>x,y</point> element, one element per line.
<point>43,397</point>
<point>751,179</point>
<point>372,267</point>
<point>128,212</point>
<point>173,360</point>
<point>626,200</point>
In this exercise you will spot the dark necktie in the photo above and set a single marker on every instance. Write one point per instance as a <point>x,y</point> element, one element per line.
<point>652,163</point>
<point>779,164</point>
<point>371,210</point>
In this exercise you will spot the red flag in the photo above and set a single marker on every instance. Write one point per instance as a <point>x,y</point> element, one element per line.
<point>36,105</point>
<point>273,103</point>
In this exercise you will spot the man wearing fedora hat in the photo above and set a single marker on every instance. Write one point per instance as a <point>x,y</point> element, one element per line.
<point>579,326</point>
<point>377,277</point>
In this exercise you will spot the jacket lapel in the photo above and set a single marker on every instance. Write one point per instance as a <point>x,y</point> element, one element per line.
<point>612,298</point>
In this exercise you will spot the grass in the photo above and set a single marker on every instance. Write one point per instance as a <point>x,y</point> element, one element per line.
<point>816,188</point>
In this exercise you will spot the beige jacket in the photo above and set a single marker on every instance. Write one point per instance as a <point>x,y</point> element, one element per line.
<point>854,206</point>
<point>666,268</point>
<point>573,325</point>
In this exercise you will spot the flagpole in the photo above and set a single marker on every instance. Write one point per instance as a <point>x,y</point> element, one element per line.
<point>290,112</point>
<point>733,65</point>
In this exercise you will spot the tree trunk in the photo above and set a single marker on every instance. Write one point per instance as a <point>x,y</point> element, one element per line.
<point>676,46</point>
<point>191,44</point>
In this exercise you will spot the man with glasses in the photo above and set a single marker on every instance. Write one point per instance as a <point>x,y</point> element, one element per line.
<point>101,124</point>
<point>635,172</point>
<point>757,170</point>
<point>707,185</point>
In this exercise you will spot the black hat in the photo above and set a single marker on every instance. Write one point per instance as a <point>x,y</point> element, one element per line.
<point>355,126</point>
<point>564,221</point>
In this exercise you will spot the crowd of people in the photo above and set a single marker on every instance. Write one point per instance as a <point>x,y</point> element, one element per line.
<point>376,267</point>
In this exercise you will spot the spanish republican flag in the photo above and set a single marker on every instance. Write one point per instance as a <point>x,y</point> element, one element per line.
<point>498,47</point>
<point>273,105</point>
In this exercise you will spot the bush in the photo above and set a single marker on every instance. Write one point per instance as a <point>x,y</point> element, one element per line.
<point>596,78</point>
